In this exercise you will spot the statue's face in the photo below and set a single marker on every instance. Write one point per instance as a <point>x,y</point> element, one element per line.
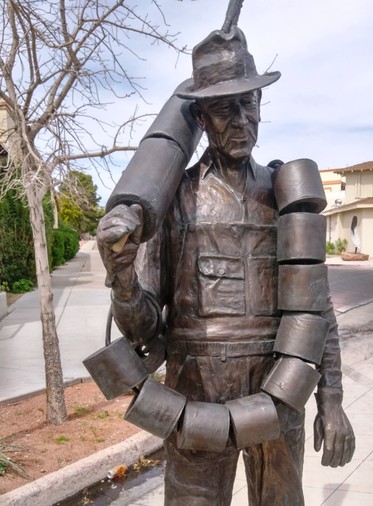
<point>231,124</point>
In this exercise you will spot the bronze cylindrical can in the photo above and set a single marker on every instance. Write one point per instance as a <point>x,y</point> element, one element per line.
<point>204,427</point>
<point>154,173</point>
<point>302,335</point>
<point>156,409</point>
<point>292,381</point>
<point>298,187</point>
<point>301,238</point>
<point>303,287</point>
<point>116,368</point>
<point>155,356</point>
<point>254,420</point>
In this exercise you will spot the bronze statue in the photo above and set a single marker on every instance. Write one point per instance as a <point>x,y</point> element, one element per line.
<point>219,276</point>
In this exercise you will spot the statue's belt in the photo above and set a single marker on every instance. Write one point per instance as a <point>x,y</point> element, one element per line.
<point>220,349</point>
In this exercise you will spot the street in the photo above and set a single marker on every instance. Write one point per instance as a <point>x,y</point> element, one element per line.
<point>350,286</point>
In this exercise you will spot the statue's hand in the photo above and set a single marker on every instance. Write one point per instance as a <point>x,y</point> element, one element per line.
<point>118,238</point>
<point>332,426</point>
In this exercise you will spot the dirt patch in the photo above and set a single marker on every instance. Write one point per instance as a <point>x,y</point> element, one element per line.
<point>93,424</point>
<point>12,297</point>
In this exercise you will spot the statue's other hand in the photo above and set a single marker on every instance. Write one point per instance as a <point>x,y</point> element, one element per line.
<point>118,238</point>
<point>332,427</point>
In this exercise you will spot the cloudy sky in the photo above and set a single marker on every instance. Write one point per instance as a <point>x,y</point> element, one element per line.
<point>321,108</point>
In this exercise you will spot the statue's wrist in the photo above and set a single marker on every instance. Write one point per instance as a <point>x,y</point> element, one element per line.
<point>125,287</point>
<point>327,396</point>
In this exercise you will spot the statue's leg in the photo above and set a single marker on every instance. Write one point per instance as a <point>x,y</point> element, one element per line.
<point>199,478</point>
<point>274,469</point>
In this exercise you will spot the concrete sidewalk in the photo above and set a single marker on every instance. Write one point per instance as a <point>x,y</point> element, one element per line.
<point>82,302</point>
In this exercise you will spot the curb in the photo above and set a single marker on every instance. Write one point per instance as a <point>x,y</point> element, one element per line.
<point>70,480</point>
<point>34,393</point>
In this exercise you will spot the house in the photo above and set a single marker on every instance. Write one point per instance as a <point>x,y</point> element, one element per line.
<point>334,186</point>
<point>6,128</point>
<point>350,216</point>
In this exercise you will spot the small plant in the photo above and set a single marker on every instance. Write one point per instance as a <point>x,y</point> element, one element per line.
<point>22,286</point>
<point>330,248</point>
<point>62,439</point>
<point>340,245</point>
<point>102,415</point>
<point>81,410</point>
<point>337,247</point>
<point>7,449</point>
<point>4,286</point>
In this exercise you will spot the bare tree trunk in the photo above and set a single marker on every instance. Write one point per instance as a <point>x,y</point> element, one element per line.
<point>56,408</point>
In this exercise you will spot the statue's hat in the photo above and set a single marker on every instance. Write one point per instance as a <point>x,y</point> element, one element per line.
<point>222,65</point>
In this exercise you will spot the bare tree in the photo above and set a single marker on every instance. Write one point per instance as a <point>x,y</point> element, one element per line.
<point>59,59</point>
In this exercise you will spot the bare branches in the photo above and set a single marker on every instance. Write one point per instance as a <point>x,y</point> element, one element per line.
<point>61,62</point>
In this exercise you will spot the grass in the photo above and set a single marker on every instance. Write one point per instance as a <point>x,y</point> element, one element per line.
<point>102,415</point>
<point>81,410</point>
<point>6,462</point>
<point>62,439</point>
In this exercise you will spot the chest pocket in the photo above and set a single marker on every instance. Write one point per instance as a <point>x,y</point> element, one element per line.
<point>221,286</point>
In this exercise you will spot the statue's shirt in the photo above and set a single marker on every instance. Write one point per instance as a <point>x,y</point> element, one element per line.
<point>217,258</point>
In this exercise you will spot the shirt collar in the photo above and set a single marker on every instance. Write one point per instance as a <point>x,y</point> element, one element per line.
<point>207,166</point>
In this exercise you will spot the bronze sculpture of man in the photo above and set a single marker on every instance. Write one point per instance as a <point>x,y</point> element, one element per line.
<point>211,274</point>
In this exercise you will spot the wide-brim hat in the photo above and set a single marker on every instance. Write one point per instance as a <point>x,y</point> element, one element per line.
<point>222,65</point>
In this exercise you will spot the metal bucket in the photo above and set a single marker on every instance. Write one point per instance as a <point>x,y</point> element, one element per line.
<point>292,381</point>
<point>302,287</point>
<point>154,357</point>
<point>298,187</point>
<point>254,420</point>
<point>116,368</point>
<point>301,238</point>
<point>302,335</point>
<point>156,409</point>
<point>204,427</point>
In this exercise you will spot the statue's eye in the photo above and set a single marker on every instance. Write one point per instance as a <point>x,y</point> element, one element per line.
<point>220,109</point>
<point>248,102</point>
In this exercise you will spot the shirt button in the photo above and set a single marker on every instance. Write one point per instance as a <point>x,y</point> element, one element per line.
<point>191,227</point>
<point>221,271</point>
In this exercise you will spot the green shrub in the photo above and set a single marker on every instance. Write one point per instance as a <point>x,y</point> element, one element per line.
<point>17,259</point>
<point>330,248</point>
<point>58,248</point>
<point>22,286</point>
<point>71,238</point>
<point>337,247</point>
<point>340,245</point>
<point>16,243</point>
<point>65,245</point>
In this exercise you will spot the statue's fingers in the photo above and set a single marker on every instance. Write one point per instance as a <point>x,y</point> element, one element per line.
<point>328,452</point>
<point>337,457</point>
<point>137,233</point>
<point>317,435</point>
<point>349,450</point>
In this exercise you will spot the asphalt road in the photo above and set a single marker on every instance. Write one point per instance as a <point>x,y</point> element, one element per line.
<point>350,286</point>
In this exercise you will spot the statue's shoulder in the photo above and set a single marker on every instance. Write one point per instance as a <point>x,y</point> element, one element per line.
<point>193,173</point>
<point>263,173</point>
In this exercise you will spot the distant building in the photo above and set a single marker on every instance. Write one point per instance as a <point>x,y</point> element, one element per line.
<point>6,128</point>
<point>351,207</point>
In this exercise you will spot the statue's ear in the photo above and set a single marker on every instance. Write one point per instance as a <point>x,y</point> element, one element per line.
<point>197,114</point>
<point>259,92</point>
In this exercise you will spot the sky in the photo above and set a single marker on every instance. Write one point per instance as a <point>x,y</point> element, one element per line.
<point>322,106</point>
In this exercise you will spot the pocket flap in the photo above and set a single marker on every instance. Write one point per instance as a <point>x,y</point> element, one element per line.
<point>221,267</point>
